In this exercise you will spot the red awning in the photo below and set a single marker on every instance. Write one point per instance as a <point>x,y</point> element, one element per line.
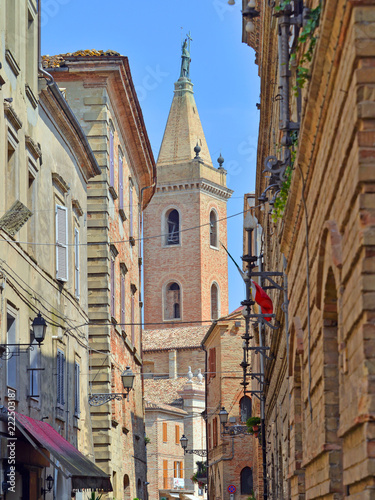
<point>84,473</point>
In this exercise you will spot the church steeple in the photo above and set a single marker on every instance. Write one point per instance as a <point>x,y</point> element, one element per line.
<point>184,129</point>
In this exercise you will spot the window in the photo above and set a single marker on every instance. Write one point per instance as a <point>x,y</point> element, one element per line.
<point>214,301</point>
<point>172,227</point>
<point>113,276</point>
<point>214,432</point>
<point>77,392</point>
<point>12,363</point>
<point>31,204</point>
<point>122,293</point>
<point>61,243</point>
<point>76,263</point>
<point>34,365</point>
<point>172,302</point>
<point>133,289</point>
<point>11,32</point>
<point>246,481</point>
<point>178,471</point>
<point>213,229</point>
<point>245,408</point>
<point>165,474</point>
<point>209,436</point>
<point>60,377</point>
<point>177,434</point>
<point>165,432</point>
<point>211,363</point>
<point>111,158</point>
<point>120,183</point>
<point>31,57</point>
<point>11,172</point>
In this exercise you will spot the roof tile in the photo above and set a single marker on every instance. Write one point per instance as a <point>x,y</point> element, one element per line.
<point>174,338</point>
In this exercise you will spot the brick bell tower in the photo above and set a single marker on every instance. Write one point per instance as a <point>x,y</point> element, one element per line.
<point>186,268</point>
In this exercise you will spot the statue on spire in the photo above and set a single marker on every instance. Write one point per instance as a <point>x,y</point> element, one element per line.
<point>185,63</point>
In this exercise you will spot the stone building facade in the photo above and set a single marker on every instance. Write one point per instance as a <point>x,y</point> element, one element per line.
<point>99,88</point>
<point>45,166</point>
<point>230,450</point>
<point>320,397</point>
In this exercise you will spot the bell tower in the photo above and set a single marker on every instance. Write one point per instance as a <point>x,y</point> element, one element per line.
<point>185,265</point>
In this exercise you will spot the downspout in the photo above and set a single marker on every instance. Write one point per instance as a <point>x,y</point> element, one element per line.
<point>206,417</point>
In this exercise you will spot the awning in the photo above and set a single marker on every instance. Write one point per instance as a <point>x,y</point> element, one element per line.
<point>191,497</point>
<point>84,473</point>
<point>174,495</point>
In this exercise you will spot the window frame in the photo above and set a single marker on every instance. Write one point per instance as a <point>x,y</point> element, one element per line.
<point>214,211</point>
<point>214,283</point>
<point>60,246</point>
<point>60,378</point>
<point>13,360</point>
<point>165,432</point>
<point>166,289</point>
<point>77,271</point>
<point>165,229</point>
<point>77,391</point>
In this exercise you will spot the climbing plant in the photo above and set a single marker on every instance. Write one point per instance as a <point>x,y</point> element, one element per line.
<point>280,202</point>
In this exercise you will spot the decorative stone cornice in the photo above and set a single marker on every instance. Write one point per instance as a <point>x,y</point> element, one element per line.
<point>33,147</point>
<point>77,207</point>
<point>202,184</point>
<point>12,116</point>
<point>59,182</point>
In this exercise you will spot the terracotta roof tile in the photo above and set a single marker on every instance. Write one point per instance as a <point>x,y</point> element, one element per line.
<point>164,390</point>
<point>59,60</point>
<point>161,406</point>
<point>174,338</point>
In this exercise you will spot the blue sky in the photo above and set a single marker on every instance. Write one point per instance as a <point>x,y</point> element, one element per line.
<point>225,78</point>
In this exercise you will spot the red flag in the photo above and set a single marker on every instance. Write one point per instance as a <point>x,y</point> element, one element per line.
<point>262,299</point>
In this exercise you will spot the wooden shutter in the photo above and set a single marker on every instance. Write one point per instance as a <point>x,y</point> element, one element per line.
<point>122,301</point>
<point>61,243</point>
<point>165,432</point>
<point>213,360</point>
<point>165,474</point>
<point>77,405</point>
<point>120,184</point>
<point>177,434</point>
<point>214,432</point>
<point>175,474</point>
<point>112,288</point>
<point>60,377</point>
<point>111,160</point>
<point>76,262</point>
<point>209,436</point>
<point>181,470</point>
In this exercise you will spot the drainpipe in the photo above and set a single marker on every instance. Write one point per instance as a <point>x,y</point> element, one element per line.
<point>206,419</point>
<point>262,404</point>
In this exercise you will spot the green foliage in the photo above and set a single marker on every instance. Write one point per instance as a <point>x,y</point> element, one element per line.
<point>250,422</point>
<point>280,202</point>
<point>282,5</point>
<point>307,35</point>
<point>252,496</point>
<point>147,440</point>
<point>94,497</point>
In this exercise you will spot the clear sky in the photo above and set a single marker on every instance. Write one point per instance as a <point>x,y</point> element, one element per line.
<point>225,78</point>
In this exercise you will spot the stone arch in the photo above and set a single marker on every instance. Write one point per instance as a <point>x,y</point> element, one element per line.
<point>214,228</point>
<point>246,481</point>
<point>215,300</point>
<point>245,405</point>
<point>330,248</point>
<point>172,300</point>
<point>126,487</point>
<point>331,394</point>
<point>171,226</point>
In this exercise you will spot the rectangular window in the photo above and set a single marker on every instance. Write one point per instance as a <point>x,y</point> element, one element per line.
<point>165,432</point>
<point>177,470</point>
<point>11,33</point>
<point>211,363</point>
<point>11,174</point>
<point>60,377</point>
<point>12,361</point>
<point>31,204</point>
<point>120,183</point>
<point>131,235</point>
<point>34,363</point>
<point>77,392</point>
<point>111,159</point>
<point>76,262</point>
<point>61,243</point>
<point>165,474</point>
<point>177,434</point>
<point>181,470</point>
<point>209,436</point>
<point>31,52</point>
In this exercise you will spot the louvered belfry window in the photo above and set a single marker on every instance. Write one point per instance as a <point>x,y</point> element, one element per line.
<point>61,243</point>
<point>173,228</point>
<point>60,377</point>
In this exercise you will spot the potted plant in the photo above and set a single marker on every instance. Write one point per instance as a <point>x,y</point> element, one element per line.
<point>253,425</point>
<point>252,496</point>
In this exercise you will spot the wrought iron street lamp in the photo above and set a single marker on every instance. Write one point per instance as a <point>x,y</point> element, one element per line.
<point>127,378</point>
<point>232,430</point>
<point>184,443</point>
<point>39,327</point>
<point>49,483</point>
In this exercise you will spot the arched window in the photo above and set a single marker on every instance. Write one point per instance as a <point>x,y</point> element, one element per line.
<point>172,227</point>
<point>214,301</point>
<point>245,408</point>
<point>246,481</point>
<point>213,229</point>
<point>139,489</point>
<point>126,487</point>
<point>172,301</point>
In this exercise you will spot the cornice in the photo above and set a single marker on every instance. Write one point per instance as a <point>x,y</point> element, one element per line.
<point>201,185</point>
<point>12,116</point>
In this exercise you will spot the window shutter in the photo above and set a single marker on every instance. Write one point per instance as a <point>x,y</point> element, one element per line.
<point>214,431</point>
<point>213,362</point>
<point>122,301</point>
<point>58,378</point>
<point>209,436</point>
<point>120,184</point>
<point>61,243</point>
<point>165,432</point>
<point>111,160</point>
<point>177,434</point>
<point>181,470</point>
<point>175,469</point>
<point>77,405</point>
<point>112,288</point>
<point>76,261</point>
<point>165,474</point>
<point>132,319</point>
<point>63,378</point>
